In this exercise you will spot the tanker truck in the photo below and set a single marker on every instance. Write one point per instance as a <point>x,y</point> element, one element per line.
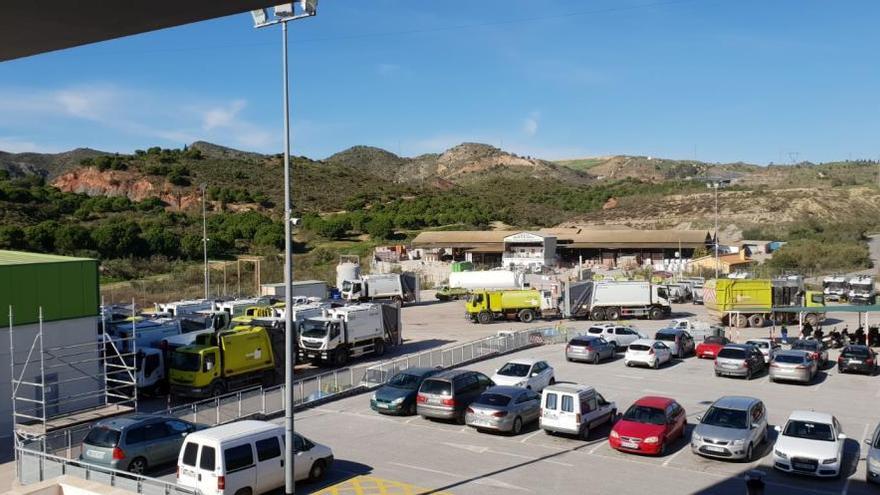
<point>462,283</point>
<point>486,306</point>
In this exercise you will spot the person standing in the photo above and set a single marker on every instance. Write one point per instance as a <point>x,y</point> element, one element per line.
<point>784,333</point>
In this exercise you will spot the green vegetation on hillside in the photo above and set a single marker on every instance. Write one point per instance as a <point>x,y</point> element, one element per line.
<point>814,247</point>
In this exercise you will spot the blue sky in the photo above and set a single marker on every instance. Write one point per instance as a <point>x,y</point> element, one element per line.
<point>717,80</point>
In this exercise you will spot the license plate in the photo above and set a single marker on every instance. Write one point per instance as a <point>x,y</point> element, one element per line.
<point>712,448</point>
<point>805,467</point>
<point>550,415</point>
<point>729,366</point>
<point>383,405</point>
<point>95,454</point>
<point>854,361</point>
<point>707,354</point>
<point>433,400</point>
<point>629,445</point>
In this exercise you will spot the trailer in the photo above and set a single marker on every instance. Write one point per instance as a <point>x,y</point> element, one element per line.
<point>754,302</point>
<point>185,307</point>
<point>304,288</point>
<point>615,300</point>
<point>462,283</point>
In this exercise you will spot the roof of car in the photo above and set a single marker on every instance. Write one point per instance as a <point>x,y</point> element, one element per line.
<point>671,330</point>
<point>769,341</point>
<point>572,388</point>
<point>654,401</point>
<point>737,402</point>
<point>811,416</point>
<point>645,341</point>
<point>505,390</point>
<point>793,352</point>
<point>860,348</point>
<point>528,361</point>
<point>419,371</point>
<point>744,347</point>
<point>449,374</point>
<point>806,342</point>
<point>232,431</point>
<point>586,337</point>
<point>126,421</point>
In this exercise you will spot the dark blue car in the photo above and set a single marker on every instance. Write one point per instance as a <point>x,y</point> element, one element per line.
<point>398,395</point>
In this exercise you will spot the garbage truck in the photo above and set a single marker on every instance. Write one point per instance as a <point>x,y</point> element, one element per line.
<point>462,283</point>
<point>346,332</point>
<point>835,288</point>
<point>861,290</point>
<point>613,300</point>
<point>754,302</point>
<point>398,287</point>
<point>486,306</point>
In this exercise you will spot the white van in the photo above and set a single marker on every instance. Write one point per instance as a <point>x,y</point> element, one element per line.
<point>246,458</point>
<point>574,409</point>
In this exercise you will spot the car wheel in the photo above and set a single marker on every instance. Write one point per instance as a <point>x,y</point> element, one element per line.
<point>596,358</point>
<point>318,470</point>
<point>517,426</point>
<point>137,466</point>
<point>718,374</point>
<point>552,380</point>
<point>412,410</point>
<point>750,453</point>
<point>459,418</point>
<point>484,318</point>
<point>656,363</point>
<point>663,449</point>
<point>585,433</point>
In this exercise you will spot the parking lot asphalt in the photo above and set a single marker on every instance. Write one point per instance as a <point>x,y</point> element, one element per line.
<point>457,459</point>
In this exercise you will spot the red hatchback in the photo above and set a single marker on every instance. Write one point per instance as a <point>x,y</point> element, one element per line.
<point>710,346</point>
<point>648,426</point>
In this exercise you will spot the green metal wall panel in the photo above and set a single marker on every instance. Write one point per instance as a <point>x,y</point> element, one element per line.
<point>64,290</point>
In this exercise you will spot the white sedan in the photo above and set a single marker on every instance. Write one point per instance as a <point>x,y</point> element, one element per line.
<point>810,443</point>
<point>768,348</point>
<point>532,374</point>
<point>647,352</point>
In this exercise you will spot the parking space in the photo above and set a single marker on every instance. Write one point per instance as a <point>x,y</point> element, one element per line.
<point>449,457</point>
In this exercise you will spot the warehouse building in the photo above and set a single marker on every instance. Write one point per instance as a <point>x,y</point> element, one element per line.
<point>566,247</point>
<point>65,290</point>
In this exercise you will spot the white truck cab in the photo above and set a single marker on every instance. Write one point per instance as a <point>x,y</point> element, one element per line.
<point>349,331</point>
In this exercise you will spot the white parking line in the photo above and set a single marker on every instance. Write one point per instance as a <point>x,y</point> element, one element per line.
<point>673,456</point>
<point>849,478</point>
<point>530,436</point>
<point>427,470</point>
<point>630,377</point>
<point>597,447</point>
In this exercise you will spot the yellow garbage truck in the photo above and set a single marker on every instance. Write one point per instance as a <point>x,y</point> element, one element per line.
<point>754,302</point>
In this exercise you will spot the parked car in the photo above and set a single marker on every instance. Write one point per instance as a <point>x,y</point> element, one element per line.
<point>247,457</point>
<point>859,358</point>
<point>739,360</point>
<point>732,428</point>
<point>768,348</point>
<point>618,335</point>
<point>817,348</point>
<point>504,409</point>
<point>679,341</point>
<point>810,443</point>
<point>793,365</point>
<point>647,352</point>
<point>590,348</point>
<point>649,426</point>
<point>135,443</point>
<point>532,374</point>
<point>398,395</point>
<point>574,409</point>
<point>709,347</point>
<point>447,395</point>
<point>872,459</point>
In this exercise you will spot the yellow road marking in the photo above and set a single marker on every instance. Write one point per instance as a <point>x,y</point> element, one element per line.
<point>370,485</point>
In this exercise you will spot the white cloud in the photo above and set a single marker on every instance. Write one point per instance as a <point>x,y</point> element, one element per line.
<point>14,144</point>
<point>223,116</point>
<point>530,124</point>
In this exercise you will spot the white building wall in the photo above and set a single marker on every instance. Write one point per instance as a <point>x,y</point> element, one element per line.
<point>88,377</point>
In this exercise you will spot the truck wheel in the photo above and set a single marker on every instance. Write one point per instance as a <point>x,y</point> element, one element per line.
<point>485,317</point>
<point>340,357</point>
<point>612,313</point>
<point>756,321</point>
<point>740,321</point>
<point>379,347</point>
<point>216,390</point>
<point>398,301</point>
<point>527,316</point>
<point>655,313</point>
<point>597,314</point>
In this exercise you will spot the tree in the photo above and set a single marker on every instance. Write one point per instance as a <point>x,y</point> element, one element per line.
<point>72,238</point>
<point>270,235</point>
<point>160,240</point>
<point>12,237</point>
<point>118,240</point>
<point>191,246</point>
<point>41,237</point>
<point>333,228</point>
<point>380,227</point>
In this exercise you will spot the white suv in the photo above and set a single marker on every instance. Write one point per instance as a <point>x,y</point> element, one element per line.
<point>619,335</point>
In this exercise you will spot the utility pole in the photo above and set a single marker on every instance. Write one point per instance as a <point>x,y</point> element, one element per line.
<point>715,185</point>
<point>205,239</point>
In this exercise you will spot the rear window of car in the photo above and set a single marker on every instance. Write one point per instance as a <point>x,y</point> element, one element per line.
<point>855,352</point>
<point>581,342</point>
<point>238,457</point>
<point>665,336</point>
<point>209,456</point>
<point>436,387</point>
<point>732,353</point>
<point>805,344</point>
<point>639,347</point>
<point>190,452</point>
<point>759,344</point>
<point>567,403</point>
<point>714,340</point>
<point>493,400</point>
<point>784,358</point>
<point>102,436</point>
<point>596,330</point>
<point>550,402</point>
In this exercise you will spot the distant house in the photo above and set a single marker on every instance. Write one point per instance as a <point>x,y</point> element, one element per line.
<point>756,247</point>
<point>727,263</point>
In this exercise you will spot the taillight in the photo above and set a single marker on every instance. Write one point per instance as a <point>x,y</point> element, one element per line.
<point>499,414</point>
<point>815,355</point>
<point>869,361</point>
<point>221,482</point>
<point>421,399</point>
<point>448,402</point>
<point>840,359</point>
<point>118,454</point>
<point>567,348</point>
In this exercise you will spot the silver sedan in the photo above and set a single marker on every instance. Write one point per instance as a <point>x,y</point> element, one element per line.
<point>504,409</point>
<point>793,365</point>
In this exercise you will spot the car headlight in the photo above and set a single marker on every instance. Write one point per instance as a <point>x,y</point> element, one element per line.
<point>738,443</point>
<point>522,383</point>
<point>652,440</point>
<point>614,434</point>
<point>373,398</point>
<point>780,454</point>
<point>829,461</point>
<point>696,438</point>
<point>397,401</point>
<point>874,463</point>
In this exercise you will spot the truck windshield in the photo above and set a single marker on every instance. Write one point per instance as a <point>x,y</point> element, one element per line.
<point>185,361</point>
<point>346,286</point>
<point>314,329</point>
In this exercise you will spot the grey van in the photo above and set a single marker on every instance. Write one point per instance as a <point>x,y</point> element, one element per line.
<point>135,443</point>
<point>448,394</point>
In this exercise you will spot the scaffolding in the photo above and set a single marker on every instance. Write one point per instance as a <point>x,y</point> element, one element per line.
<point>40,410</point>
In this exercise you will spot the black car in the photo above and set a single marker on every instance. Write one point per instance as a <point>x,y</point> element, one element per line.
<point>398,395</point>
<point>859,358</point>
<point>818,351</point>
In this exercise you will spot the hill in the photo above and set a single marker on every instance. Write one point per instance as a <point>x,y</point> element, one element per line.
<point>46,165</point>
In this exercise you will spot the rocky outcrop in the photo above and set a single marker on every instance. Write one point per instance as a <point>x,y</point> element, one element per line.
<point>135,186</point>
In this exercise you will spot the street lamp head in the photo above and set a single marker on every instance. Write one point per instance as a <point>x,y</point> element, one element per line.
<point>284,10</point>
<point>260,16</point>
<point>309,7</point>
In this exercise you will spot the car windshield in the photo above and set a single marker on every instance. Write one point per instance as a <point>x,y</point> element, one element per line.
<point>711,339</point>
<point>725,418</point>
<point>639,347</point>
<point>493,400</point>
<point>732,353</point>
<point>102,436</point>
<point>185,361</point>
<point>405,381</point>
<point>514,369</point>
<point>314,329</point>
<point>666,337</point>
<point>788,358</point>
<point>759,344</point>
<point>644,414</point>
<point>809,430</point>
<point>437,387</point>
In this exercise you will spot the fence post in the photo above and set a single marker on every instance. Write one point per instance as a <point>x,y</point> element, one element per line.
<point>336,381</point>
<point>217,411</point>
<point>69,441</point>
<point>195,415</point>
<point>263,401</point>
<point>351,377</point>
<point>239,405</point>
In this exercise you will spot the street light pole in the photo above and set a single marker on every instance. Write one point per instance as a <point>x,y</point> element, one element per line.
<point>715,185</point>
<point>285,13</point>
<point>205,239</point>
